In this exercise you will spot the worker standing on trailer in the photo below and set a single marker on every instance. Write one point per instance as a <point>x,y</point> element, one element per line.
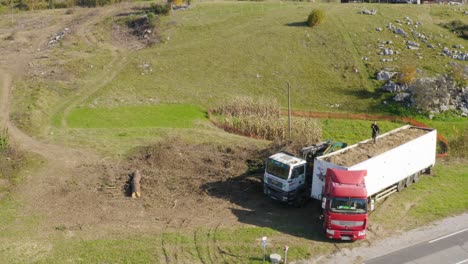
<point>375,131</point>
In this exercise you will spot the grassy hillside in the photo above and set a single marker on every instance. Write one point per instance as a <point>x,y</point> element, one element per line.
<point>218,50</point>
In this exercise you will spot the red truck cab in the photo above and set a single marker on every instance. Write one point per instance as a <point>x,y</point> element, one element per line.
<point>345,204</point>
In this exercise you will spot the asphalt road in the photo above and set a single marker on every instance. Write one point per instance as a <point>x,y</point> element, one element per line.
<point>450,248</point>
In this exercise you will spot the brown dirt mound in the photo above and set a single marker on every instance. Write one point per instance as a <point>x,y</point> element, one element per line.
<point>368,150</point>
<point>174,169</point>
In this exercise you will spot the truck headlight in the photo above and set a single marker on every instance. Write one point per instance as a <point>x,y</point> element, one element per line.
<point>362,233</point>
<point>330,232</point>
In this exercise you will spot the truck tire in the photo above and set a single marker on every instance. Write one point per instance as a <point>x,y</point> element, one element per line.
<point>401,185</point>
<point>416,177</point>
<point>429,171</point>
<point>409,181</point>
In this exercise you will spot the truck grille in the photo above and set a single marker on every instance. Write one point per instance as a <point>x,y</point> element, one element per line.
<point>275,183</point>
<point>347,223</point>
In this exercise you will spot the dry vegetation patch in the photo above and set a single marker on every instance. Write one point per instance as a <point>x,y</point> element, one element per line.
<point>262,118</point>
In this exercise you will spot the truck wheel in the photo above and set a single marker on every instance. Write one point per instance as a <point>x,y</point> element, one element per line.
<point>409,181</point>
<point>416,177</point>
<point>401,185</point>
<point>429,171</point>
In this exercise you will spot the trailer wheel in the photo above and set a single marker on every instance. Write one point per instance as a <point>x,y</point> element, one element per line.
<point>409,181</point>
<point>401,185</point>
<point>416,177</point>
<point>429,171</point>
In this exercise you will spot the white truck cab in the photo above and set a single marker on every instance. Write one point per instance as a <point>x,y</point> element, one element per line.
<point>284,177</point>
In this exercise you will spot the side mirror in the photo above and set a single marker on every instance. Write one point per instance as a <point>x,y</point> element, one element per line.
<point>324,202</point>
<point>372,205</point>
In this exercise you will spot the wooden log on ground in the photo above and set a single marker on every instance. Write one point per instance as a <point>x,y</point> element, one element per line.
<point>136,184</point>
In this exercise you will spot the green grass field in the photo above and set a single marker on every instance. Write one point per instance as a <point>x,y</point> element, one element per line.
<point>174,116</point>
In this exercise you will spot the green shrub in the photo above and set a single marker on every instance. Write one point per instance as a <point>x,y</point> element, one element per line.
<point>94,3</point>
<point>458,27</point>
<point>160,8</point>
<point>23,5</point>
<point>315,17</point>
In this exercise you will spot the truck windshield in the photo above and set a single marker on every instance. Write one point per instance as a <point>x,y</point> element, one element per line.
<point>348,205</point>
<point>277,169</point>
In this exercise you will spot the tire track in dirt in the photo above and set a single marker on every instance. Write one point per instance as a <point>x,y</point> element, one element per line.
<point>97,87</point>
<point>164,250</point>
<point>114,66</point>
<point>196,239</point>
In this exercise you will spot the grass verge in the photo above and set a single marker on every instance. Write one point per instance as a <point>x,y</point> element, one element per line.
<point>164,115</point>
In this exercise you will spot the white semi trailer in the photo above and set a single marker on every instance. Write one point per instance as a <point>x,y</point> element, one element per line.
<point>346,185</point>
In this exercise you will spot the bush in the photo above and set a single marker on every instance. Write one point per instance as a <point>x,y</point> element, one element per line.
<point>458,27</point>
<point>94,3</point>
<point>316,17</point>
<point>408,75</point>
<point>160,9</point>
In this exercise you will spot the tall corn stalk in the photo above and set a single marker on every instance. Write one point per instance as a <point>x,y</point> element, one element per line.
<point>261,118</point>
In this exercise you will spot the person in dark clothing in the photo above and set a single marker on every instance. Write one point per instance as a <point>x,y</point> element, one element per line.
<point>375,131</point>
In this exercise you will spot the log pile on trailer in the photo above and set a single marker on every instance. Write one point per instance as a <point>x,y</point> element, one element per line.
<point>368,149</point>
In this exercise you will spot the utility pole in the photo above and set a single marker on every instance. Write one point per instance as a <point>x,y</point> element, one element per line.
<point>289,110</point>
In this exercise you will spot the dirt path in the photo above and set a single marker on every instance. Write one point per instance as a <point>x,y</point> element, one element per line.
<point>70,191</point>
<point>47,185</point>
<point>15,63</point>
<point>113,67</point>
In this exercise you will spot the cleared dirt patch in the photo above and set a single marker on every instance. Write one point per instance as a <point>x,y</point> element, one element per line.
<point>174,170</point>
<point>368,150</point>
